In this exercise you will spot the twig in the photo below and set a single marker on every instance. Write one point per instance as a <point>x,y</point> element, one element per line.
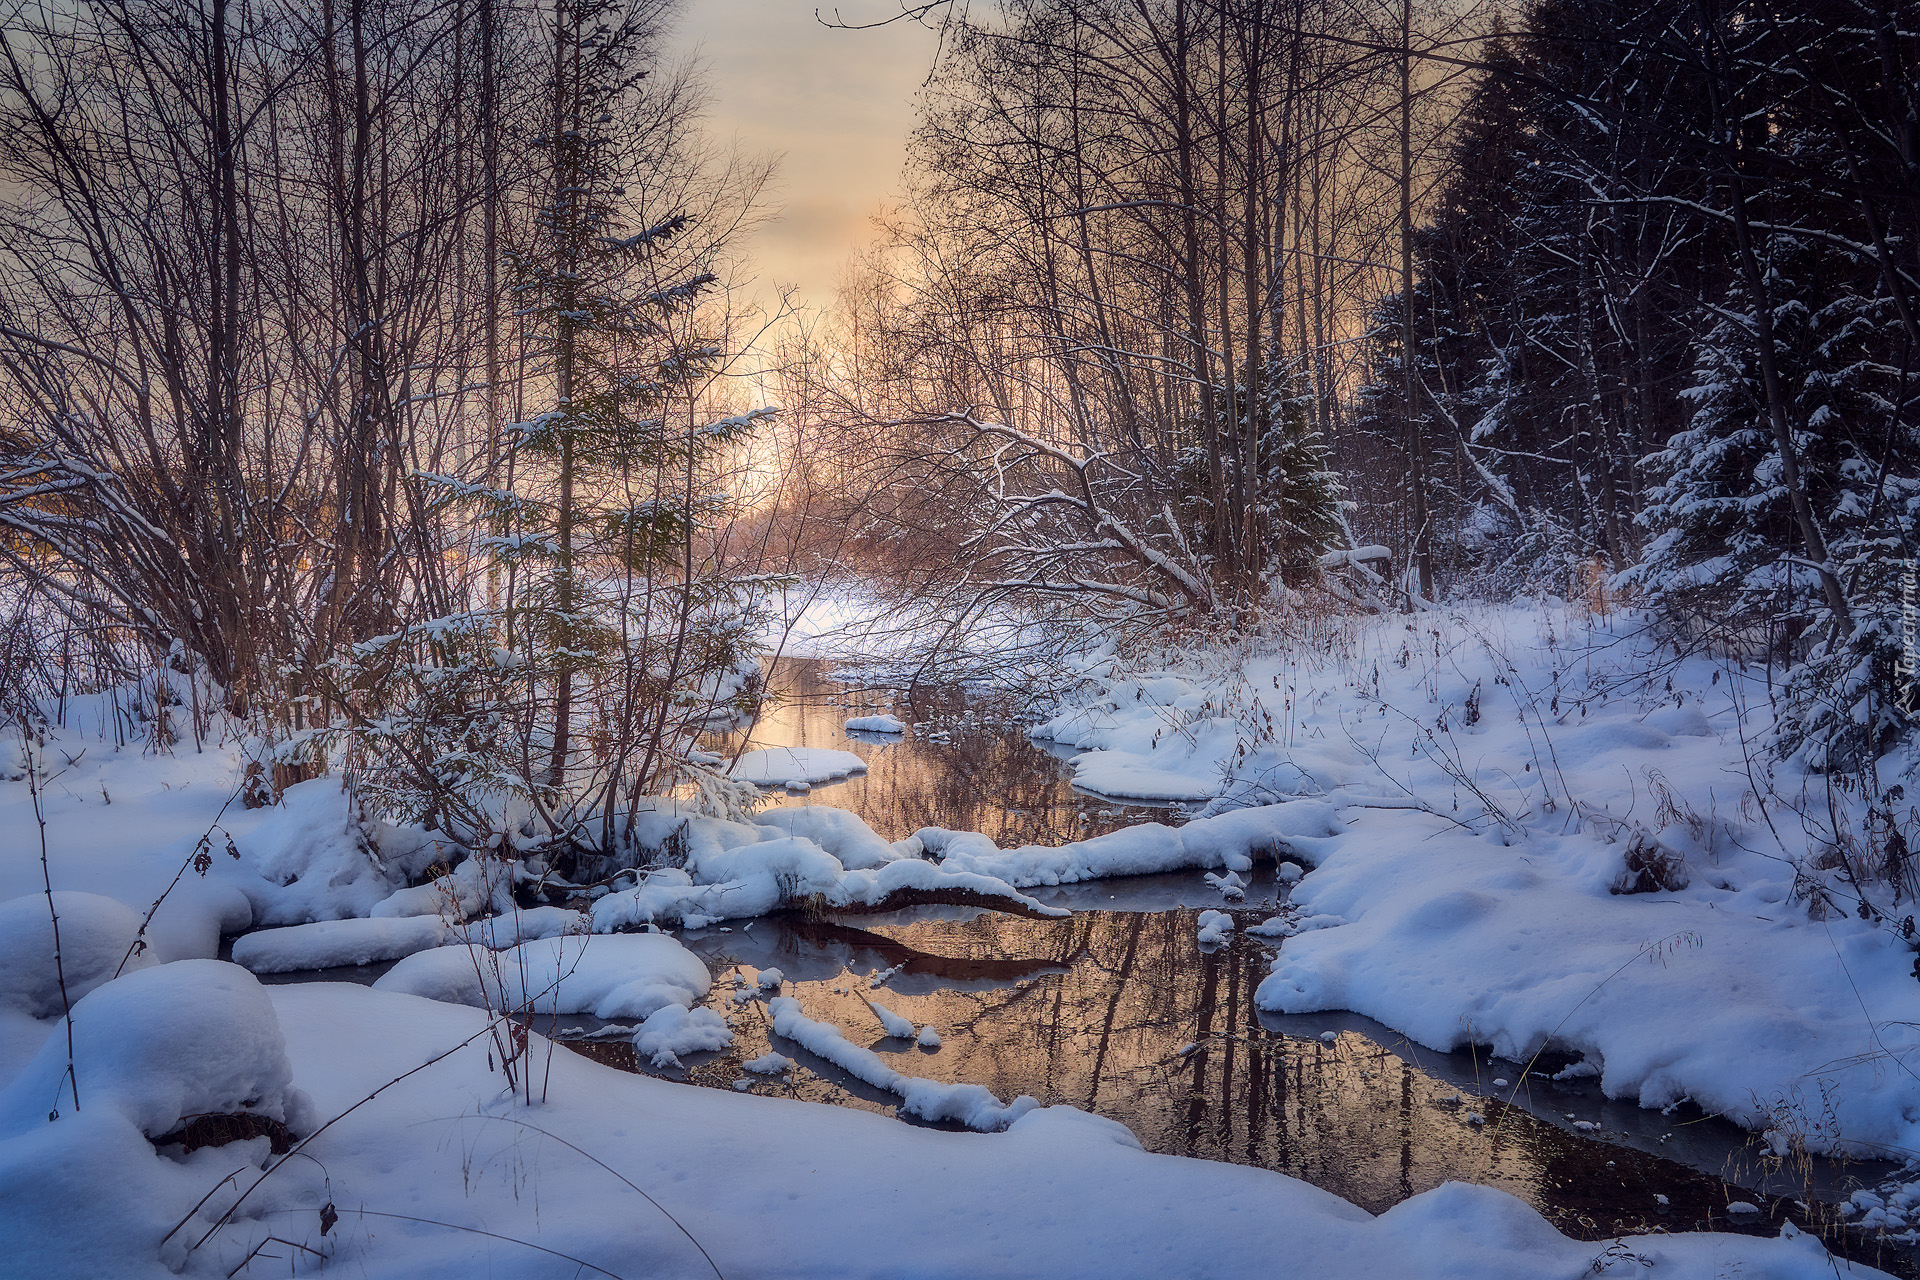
<point>53,914</point>
<point>616,1173</point>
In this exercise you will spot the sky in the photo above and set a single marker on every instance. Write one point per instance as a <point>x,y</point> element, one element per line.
<point>836,105</point>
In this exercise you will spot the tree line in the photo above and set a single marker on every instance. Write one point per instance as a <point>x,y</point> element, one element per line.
<point>1195,300</point>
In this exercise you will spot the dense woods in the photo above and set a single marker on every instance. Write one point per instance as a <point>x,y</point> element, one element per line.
<point>371,359</point>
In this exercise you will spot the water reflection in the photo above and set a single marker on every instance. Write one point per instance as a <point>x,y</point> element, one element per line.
<point>967,765</point>
<point>1122,1014</point>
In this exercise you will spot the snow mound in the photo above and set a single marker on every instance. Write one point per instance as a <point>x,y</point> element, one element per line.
<point>1230,840</point>
<point>1215,928</point>
<point>329,944</point>
<point>96,934</point>
<point>788,766</point>
<point>890,1022</point>
<point>523,924</point>
<point>846,836</point>
<point>875,724</point>
<point>197,1037</point>
<point>628,975</point>
<point>972,1105</point>
<point>311,861</point>
<point>770,1064</point>
<point>671,1030</point>
<point>475,886</point>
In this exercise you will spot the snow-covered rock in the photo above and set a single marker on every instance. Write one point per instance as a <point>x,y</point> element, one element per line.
<point>672,1030</point>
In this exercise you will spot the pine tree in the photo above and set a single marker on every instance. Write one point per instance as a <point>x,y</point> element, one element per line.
<point>1725,542</point>
<point>548,720</point>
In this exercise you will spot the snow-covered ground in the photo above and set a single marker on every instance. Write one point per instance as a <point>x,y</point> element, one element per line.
<point>430,1164</point>
<point>1548,830</point>
<point>1468,790</point>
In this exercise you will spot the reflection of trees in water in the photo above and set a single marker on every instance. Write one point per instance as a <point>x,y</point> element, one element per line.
<point>1106,1035</point>
<point>1094,1010</point>
<point>989,778</point>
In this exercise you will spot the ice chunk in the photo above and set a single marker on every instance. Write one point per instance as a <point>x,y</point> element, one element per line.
<point>876,724</point>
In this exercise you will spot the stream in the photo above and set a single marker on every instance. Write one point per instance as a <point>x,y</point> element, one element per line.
<point>1119,1011</point>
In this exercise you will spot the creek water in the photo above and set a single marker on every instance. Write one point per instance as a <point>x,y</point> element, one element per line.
<point>1119,1011</point>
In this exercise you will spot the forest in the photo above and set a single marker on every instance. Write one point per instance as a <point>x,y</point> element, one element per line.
<point>1390,524</point>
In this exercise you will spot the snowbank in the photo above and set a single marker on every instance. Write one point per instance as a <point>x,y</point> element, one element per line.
<point>795,766</point>
<point>875,724</point>
<point>329,944</point>
<point>611,976</point>
<point>1298,828</point>
<point>1530,825</point>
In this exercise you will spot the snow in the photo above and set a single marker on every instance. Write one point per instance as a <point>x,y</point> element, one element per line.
<point>1461,889</point>
<point>875,724</point>
<point>196,1037</point>
<point>770,1064</point>
<point>1468,788</point>
<point>749,875</point>
<point>1214,928</point>
<point>928,1038</point>
<point>327,944</point>
<point>1230,840</point>
<point>828,1192</point>
<point>475,886</point>
<point>609,976</point>
<point>671,1030</point>
<point>846,836</point>
<point>97,935</point>
<point>785,766</point>
<point>972,1105</point>
<point>890,1022</point>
